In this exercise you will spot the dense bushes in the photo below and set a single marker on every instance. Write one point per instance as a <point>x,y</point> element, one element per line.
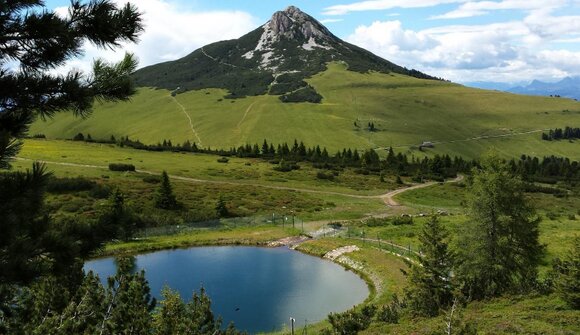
<point>395,221</point>
<point>64,185</point>
<point>306,94</point>
<point>78,184</point>
<point>286,166</point>
<point>121,167</point>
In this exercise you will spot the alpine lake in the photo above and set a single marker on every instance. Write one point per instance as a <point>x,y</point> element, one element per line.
<point>259,289</point>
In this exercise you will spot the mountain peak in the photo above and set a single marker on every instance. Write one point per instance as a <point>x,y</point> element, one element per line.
<point>275,58</point>
<point>292,23</point>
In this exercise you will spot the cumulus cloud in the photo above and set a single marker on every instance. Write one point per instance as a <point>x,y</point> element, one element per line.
<point>171,32</point>
<point>384,5</point>
<point>502,52</point>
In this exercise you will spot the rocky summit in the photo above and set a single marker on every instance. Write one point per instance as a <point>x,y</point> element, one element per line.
<point>273,59</point>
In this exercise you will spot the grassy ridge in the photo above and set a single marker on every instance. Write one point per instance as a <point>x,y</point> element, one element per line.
<point>405,110</point>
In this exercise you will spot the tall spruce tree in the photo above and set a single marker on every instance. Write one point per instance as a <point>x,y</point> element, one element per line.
<point>498,248</point>
<point>567,281</point>
<point>165,198</point>
<point>429,288</point>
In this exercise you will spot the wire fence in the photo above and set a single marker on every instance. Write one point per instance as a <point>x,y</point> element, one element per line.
<point>407,251</point>
<point>282,220</point>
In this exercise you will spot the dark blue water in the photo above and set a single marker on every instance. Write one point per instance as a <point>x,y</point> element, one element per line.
<point>259,289</point>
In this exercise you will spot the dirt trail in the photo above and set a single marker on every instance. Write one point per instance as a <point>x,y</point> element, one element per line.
<point>216,60</point>
<point>476,138</point>
<point>190,121</point>
<point>246,114</point>
<point>389,197</point>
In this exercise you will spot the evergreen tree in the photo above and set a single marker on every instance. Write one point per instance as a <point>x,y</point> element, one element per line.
<point>498,248</point>
<point>117,220</point>
<point>429,288</point>
<point>567,281</point>
<point>39,41</point>
<point>220,208</point>
<point>165,198</point>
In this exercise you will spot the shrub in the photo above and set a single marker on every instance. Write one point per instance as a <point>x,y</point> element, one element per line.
<point>325,176</point>
<point>390,313</point>
<point>223,160</point>
<point>65,185</point>
<point>121,167</point>
<point>352,321</point>
<point>306,94</point>
<point>402,220</point>
<point>100,191</point>
<point>285,166</point>
<point>152,179</point>
<point>377,222</point>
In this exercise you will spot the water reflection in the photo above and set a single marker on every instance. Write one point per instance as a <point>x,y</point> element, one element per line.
<point>257,288</point>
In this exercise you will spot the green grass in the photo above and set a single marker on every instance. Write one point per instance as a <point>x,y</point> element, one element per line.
<point>240,171</point>
<point>244,197</point>
<point>406,111</point>
<point>508,315</point>
<point>260,235</point>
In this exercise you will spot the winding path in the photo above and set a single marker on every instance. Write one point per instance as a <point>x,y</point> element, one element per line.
<point>190,120</point>
<point>476,138</point>
<point>388,198</point>
<point>216,60</point>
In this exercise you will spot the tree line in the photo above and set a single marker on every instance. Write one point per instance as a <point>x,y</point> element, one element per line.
<point>557,134</point>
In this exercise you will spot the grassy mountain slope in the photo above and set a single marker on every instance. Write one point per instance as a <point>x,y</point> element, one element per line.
<point>405,110</point>
<point>291,42</point>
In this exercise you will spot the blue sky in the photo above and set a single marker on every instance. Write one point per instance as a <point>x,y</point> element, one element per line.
<point>509,41</point>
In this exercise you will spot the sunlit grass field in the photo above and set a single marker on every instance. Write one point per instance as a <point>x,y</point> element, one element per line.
<point>405,110</point>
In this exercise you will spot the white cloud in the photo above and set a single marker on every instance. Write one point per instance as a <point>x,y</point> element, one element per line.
<point>171,32</point>
<point>384,5</point>
<point>477,8</point>
<point>326,21</point>
<point>500,52</point>
<point>390,35</point>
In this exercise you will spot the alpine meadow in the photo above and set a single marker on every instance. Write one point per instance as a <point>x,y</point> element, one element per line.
<point>288,181</point>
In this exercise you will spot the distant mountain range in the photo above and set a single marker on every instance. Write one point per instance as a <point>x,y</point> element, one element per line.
<point>568,87</point>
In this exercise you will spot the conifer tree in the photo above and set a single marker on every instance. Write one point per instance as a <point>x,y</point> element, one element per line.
<point>38,41</point>
<point>429,289</point>
<point>567,280</point>
<point>221,208</point>
<point>165,199</point>
<point>498,248</point>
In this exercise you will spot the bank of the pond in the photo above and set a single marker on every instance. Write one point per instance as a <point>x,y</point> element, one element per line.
<point>249,236</point>
<point>380,271</point>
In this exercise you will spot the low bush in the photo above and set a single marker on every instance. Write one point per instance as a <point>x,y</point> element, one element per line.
<point>402,220</point>
<point>152,179</point>
<point>223,160</point>
<point>325,175</point>
<point>100,191</point>
<point>65,185</point>
<point>121,167</point>
<point>286,166</point>
<point>306,94</point>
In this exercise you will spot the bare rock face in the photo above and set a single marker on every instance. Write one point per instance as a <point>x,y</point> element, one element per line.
<point>292,23</point>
